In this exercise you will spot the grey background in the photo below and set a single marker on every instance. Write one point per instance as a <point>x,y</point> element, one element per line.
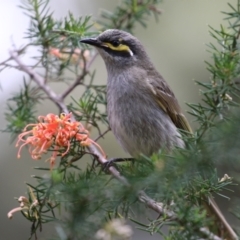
<point>176,45</point>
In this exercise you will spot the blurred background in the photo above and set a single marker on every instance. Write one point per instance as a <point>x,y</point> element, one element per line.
<point>176,44</point>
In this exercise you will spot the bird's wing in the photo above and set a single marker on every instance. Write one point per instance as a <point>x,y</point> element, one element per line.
<point>168,102</point>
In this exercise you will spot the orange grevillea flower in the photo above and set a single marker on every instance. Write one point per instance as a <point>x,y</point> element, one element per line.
<point>53,131</point>
<point>28,206</point>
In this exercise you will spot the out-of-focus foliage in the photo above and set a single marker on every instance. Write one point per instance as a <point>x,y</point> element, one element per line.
<point>21,109</point>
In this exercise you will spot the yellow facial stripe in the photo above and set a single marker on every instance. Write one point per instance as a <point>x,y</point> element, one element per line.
<point>121,47</point>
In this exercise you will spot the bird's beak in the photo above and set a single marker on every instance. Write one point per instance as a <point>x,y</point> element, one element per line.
<point>92,41</point>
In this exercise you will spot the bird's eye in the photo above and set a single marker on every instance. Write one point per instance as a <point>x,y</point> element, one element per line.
<point>115,43</point>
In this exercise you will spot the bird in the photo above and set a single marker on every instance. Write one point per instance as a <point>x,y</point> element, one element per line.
<point>143,112</point>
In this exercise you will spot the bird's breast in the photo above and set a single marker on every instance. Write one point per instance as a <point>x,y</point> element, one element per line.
<point>137,121</point>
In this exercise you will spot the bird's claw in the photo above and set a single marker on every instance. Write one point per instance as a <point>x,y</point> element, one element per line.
<point>112,162</point>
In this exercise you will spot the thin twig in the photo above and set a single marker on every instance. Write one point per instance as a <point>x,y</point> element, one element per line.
<point>210,235</point>
<point>80,78</point>
<point>102,134</point>
<point>156,206</point>
<point>5,61</point>
<point>142,196</point>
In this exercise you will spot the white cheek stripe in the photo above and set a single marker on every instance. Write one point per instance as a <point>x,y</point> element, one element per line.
<point>131,53</point>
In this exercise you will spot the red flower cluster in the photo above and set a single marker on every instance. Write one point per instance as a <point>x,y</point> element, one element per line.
<point>53,131</point>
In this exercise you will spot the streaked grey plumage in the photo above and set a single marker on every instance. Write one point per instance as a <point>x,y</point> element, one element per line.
<point>136,119</point>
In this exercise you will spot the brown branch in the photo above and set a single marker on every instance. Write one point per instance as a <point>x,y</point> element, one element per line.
<point>39,81</point>
<point>142,196</point>
<point>210,236</point>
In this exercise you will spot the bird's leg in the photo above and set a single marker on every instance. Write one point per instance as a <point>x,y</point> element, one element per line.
<point>113,161</point>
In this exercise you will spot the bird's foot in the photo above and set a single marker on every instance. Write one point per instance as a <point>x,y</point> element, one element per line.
<point>113,161</point>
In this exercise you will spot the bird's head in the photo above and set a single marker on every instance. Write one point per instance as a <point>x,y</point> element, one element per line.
<point>118,48</point>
